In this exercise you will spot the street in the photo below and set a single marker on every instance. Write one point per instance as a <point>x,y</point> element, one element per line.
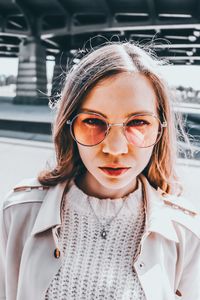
<point>21,159</point>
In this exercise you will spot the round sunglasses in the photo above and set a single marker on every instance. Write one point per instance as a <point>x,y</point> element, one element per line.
<point>142,130</point>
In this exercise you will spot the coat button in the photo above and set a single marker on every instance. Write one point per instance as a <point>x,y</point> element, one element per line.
<point>141,265</point>
<point>56,253</point>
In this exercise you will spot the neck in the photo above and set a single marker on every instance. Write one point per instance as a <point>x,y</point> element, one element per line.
<point>89,185</point>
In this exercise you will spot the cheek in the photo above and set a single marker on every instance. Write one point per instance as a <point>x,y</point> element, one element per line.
<point>143,155</point>
<point>86,154</point>
<point>89,155</point>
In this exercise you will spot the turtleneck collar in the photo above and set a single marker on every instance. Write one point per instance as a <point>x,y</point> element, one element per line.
<point>79,200</point>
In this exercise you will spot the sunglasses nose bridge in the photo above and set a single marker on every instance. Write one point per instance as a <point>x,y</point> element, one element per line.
<point>116,125</point>
<point>109,125</point>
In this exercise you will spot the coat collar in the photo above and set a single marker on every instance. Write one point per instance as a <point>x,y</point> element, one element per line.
<point>50,212</point>
<point>156,218</point>
<point>159,218</point>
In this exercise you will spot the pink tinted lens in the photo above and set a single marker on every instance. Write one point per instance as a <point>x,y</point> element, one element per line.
<point>143,131</point>
<point>89,129</point>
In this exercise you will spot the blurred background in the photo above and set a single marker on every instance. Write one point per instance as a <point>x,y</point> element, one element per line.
<point>40,40</point>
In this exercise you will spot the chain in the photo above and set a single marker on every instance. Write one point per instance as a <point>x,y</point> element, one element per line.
<point>104,231</point>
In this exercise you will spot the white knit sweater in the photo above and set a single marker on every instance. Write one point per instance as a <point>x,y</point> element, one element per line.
<point>93,267</point>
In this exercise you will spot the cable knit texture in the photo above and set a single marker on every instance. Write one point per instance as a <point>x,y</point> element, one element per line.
<point>93,267</point>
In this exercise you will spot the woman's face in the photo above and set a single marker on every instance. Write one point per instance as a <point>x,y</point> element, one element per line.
<point>115,98</point>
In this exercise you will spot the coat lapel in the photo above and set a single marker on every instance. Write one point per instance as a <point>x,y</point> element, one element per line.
<point>41,244</point>
<point>50,211</point>
<point>152,263</point>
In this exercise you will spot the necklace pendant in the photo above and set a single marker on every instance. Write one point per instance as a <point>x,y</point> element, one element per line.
<point>103,234</point>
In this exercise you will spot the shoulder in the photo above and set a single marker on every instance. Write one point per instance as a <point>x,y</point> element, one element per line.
<point>182,212</point>
<point>27,191</point>
<point>20,210</point>
<point>179,203</point>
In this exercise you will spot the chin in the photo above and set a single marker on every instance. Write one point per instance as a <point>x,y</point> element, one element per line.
<point>115,183</point>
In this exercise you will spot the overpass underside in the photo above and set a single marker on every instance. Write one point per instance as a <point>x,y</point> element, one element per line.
<point>41,30</point>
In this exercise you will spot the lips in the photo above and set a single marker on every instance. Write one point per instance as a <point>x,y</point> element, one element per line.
<point>114,171</point>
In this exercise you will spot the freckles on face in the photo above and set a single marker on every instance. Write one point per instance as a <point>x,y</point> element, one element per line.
<point>116,98</point>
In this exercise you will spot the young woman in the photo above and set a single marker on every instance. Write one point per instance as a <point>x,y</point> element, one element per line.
<point>107,221</point>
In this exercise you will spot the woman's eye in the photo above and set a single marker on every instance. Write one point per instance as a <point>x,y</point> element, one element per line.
<point>137,122</point>
<point>94,122</point>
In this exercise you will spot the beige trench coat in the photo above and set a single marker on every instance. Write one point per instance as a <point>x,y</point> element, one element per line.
<point>168,264</point>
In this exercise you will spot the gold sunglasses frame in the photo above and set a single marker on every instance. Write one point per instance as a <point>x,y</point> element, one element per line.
<point>109,125</point>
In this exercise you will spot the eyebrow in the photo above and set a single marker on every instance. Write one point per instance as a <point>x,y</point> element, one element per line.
<point>127,116</point>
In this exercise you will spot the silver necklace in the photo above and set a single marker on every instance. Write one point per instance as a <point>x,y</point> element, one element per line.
<point>104,227</point>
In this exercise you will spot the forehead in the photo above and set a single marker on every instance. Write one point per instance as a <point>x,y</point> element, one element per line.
<point>122,94</point>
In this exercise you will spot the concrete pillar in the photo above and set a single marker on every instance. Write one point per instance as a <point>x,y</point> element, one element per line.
<point>31,80</point>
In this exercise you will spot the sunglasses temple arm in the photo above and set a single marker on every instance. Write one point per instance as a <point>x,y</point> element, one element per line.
<point>164,123</point>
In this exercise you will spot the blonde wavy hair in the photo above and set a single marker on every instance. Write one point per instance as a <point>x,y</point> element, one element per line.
<point>105,61</point>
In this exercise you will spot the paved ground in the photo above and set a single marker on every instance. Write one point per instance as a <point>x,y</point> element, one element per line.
<point>21,158</point>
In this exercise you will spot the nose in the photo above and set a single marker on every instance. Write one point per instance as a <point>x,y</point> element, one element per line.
<point>115,142</point>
